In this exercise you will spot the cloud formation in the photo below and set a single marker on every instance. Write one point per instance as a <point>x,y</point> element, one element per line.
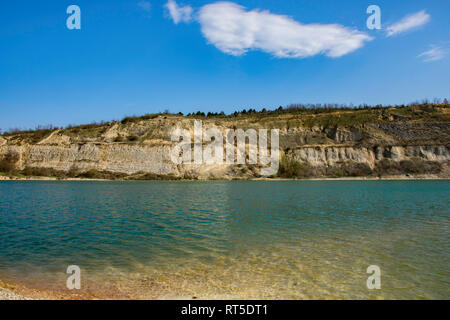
<point>179,13</point>
<point>144,5</point>
<point>434,54</point>
<point>409,22</point>
<point>234,30</point>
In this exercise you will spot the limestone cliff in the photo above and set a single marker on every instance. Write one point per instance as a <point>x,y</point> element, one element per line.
<point>409,141</point>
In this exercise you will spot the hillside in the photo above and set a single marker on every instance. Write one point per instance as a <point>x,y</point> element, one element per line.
<point>409,141</point>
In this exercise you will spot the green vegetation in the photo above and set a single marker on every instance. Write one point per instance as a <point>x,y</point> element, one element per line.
<point>8,163</point>
<point>290,168</point>
<point>349,169</point>
<point>414,166</point>
<point>133,119</point>
<point>152,176</point>
<point>80,174</point>
<point>326,115</point>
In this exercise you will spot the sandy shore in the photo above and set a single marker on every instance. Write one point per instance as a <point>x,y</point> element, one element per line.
<point>6,294</point>
<point>16,291</point>
<point>13,292</point>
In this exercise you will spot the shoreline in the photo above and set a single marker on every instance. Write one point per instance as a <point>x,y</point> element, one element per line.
<point>366,178</point>
<point>7,294</point>
<point>9,291</point>
<point>18,291</point>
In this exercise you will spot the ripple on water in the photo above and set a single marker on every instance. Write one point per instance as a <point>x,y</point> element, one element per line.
<point>239,239</point>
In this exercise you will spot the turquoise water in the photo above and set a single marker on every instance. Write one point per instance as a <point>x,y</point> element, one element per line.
<point>235,239</point>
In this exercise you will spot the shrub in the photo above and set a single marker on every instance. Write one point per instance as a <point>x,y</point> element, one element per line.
<point>290,168</point>
<point>418,166</point>
<point>339,173</point>
<point>95,174</point>
<point>73,171</point>
<point>412,166</point>
<point>8,163</point>
<point>388,167</point>
<point>358,170</point>
<point>153,176</point>
<point>43,172</point>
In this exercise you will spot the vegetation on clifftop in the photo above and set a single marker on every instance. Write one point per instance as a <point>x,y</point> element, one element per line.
<point>310,115</point>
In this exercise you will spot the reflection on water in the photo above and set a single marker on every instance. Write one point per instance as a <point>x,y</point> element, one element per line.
<point>240,239</point>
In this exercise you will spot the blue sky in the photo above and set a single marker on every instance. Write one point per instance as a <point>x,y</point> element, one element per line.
<point>131,58</point>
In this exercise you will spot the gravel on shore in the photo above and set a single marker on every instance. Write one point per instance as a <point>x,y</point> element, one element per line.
<point>6,294</point>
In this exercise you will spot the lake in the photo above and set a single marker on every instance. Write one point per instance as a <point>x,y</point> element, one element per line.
<point>228,239</point>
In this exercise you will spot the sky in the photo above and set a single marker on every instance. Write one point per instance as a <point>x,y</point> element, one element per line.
<point>137,57</point>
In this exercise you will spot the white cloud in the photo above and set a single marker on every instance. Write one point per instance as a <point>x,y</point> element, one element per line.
<point>409,22</point>
<point>434,54</point>
<point>179,13</point>
<point>144,5</point>
<point>234,30</point>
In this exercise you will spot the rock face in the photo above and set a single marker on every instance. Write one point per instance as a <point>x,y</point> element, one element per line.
<point>367,148</point>
<point>332,155</point>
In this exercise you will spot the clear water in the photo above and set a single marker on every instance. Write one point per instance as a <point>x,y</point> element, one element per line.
<point>239,239</point>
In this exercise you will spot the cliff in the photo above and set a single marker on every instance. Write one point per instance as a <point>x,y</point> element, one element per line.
<point>375,142</point>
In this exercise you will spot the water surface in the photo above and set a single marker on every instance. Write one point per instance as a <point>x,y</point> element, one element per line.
<point>238,239</point>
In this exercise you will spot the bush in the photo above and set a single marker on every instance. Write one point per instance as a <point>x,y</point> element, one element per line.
<point>134,119</point>
<point>349,169</point>
<point>358,170</point>
<point>339,173</point>
<point>73,172</point>
<point>95,174</point>
<point>43,172</point>
<point>8,163</point>
<point>412,166</point>
<point>418,166</point>
<point>153,176</point>
<point>388,167</point>
<point>290,168</point>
